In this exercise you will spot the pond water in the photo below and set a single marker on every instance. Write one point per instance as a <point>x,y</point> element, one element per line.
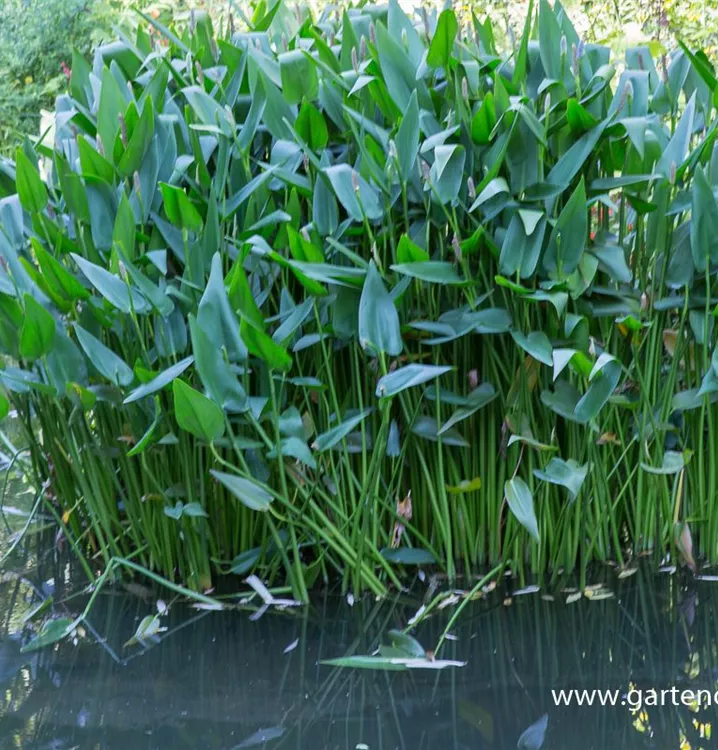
<point>223,680</point>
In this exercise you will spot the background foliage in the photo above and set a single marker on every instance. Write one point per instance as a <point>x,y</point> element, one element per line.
<point>36,40</point>
<point>37,37</point>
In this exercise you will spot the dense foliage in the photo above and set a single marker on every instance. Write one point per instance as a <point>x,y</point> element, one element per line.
<point>37,37</point>
<point>347,295</point>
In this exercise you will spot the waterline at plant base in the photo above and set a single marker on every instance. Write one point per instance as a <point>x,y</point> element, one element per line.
<point>336,297</point>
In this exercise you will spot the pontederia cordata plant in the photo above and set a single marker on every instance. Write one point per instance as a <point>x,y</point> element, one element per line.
<point>346,295</point>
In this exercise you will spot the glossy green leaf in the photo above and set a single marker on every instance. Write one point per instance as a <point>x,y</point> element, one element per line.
<point>407,644</point>
<point>672,463</point>
<point>379,329</point>
<point>123,233</point>
<point>30,187</point>
<point>536,344</point>
<point>311,126</point>
<point>215,372</point>
<point>568,238</point>
<point>484,121</point>
<point>704,222</point>
<point>196,414</point>
<point>216,317</point>
<point>138,142</point>
<point>81,396</point>
<point>147,438</point>
<point>332,437</point>
<point>299,76</point>
<point>569,474</point>
<point>408,377</point>
<point>604,382</point>
<point>409,252</point>
<point>447,172</point>
<point>111,287</point>
<point>478,398</point>
<point>432,271</point>
<point>38,330</point>
<point>116,370</point>
<point>442,41</point>
<point>407,139</point>
<point>518,496</point>
<point>248,493</point>
<point>58,278</point>
<point>160,381</point>
<point>51,632</point>
<point>356,195</point>
<point>93,163</point>
<point>112,104</point>
<point>241,296</point>
<point>568,166</point>
<point>263,346</point>
<point>675,152</point>
<point>179,209</point>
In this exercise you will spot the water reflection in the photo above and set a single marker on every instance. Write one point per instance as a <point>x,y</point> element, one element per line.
<point>219,680</point>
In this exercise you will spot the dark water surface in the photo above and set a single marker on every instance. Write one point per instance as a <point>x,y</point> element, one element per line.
<point>220,680</point>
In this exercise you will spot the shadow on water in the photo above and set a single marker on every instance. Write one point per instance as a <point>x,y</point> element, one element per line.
<point>221,680</point>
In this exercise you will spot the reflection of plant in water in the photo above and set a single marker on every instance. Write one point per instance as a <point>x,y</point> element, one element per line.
<point>651,634</point>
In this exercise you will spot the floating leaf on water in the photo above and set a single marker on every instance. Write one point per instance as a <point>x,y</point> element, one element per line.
<point>407,644</point>
<point>366,662</point>
<point>216,607</point>
<point>417,615</point>
<point>390,663</point>
<point>478,718</point>
<point>261,737</point>
<point>533,737</point>
<point>593,587</point>
<point>449,601</point>
<point>51,632</point>
<point>264,594</point>
<point>38,609</point>
<point>291,646</point>
<point>597,595</point>
<point>533,589</point>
